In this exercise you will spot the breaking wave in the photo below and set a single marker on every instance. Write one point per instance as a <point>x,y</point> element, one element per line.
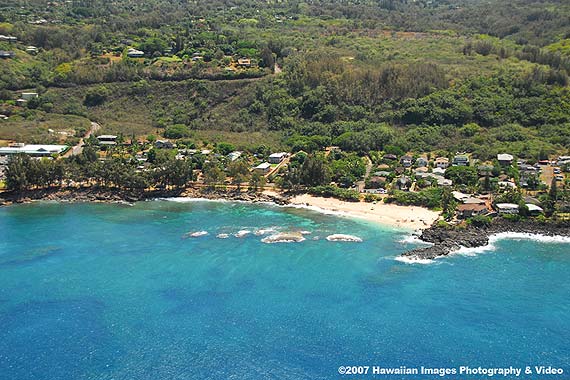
<point>413,260</point>
<point>413,239</point>
<point>518,236</point>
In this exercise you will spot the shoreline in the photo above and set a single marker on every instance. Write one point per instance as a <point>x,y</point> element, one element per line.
<point>448,241</point>
<point>401,217</point>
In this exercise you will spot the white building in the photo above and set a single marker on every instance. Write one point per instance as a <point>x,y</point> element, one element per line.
<point>441,162</point>
<point>234,156</point>
<point>33,150</point>
<point>264,167</point>
<point>134,53</point>
<point>107,139</point>
<point>507,208</point>
<point>276,158</point>
<point>505,159</point>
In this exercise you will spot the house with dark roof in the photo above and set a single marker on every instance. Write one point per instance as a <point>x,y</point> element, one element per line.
<point>469,210</point>
<point>461,160</point>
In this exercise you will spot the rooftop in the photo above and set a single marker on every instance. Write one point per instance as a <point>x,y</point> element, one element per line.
<point>505,157</point>
<point>263,166</point>
<point>33,149</point>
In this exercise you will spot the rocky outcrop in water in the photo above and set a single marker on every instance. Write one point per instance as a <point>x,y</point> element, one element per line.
<point>446,240</point>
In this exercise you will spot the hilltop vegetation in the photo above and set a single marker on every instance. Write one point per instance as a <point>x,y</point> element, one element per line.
<point>424,76</point>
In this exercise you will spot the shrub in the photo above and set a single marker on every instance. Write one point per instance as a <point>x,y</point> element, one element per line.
<point>335,192</point>
<point>176,131</point>
<point>480,221</point>
<point>371,198</point>
<point>96,96</point>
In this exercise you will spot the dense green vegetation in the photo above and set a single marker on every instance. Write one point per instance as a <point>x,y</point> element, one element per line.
<point>372,77</point>
<point>361,75</point>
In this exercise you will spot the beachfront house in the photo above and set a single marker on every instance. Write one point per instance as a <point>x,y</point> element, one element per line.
<point>391,157</point>
<point>459,196</point>
<point>403,183</point>
<point>441,162</point>
<point>276,158</point>
<point>461,160</point>
<point>507,208</point>
<point>263,168</point>
<point>469,210</point>
<point>505,159</point>
<point>534,210</point>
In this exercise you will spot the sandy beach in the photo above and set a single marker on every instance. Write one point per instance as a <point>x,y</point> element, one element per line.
<point>411,217</point>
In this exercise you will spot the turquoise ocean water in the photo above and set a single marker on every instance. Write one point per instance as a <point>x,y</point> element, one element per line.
<point>93,291</point>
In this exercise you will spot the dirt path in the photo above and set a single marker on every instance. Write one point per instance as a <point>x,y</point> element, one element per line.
<point>277,69</point>
<point>362,184</point>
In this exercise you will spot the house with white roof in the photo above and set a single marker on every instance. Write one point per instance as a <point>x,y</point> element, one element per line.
<point>33,150</point>
<point>107,139</point>
<point>505,159</point>
<point>134,53</point>
<point>507,208</point>
<point>263,168</point>
<point>441,162</point>
<point>234,155</point>
<point>276,158</point>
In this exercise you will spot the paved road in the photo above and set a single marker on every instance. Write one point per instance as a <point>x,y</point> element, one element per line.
<point>78,149</point>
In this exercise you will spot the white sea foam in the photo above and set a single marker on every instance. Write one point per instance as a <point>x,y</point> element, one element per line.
<point>343,237</point>
<point>305,232</point>
<point>413,260</point>
<point>283,237</point>
<point>316,209</point>
<point>413,239</point>
<point>473,251</point>
<point>242,233</point>
<point>518,236</point>
<point>195,234</point>
<point>190,199</point>
<point>526,236</point>
<point>264,231</point>
<point>223,236</point>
